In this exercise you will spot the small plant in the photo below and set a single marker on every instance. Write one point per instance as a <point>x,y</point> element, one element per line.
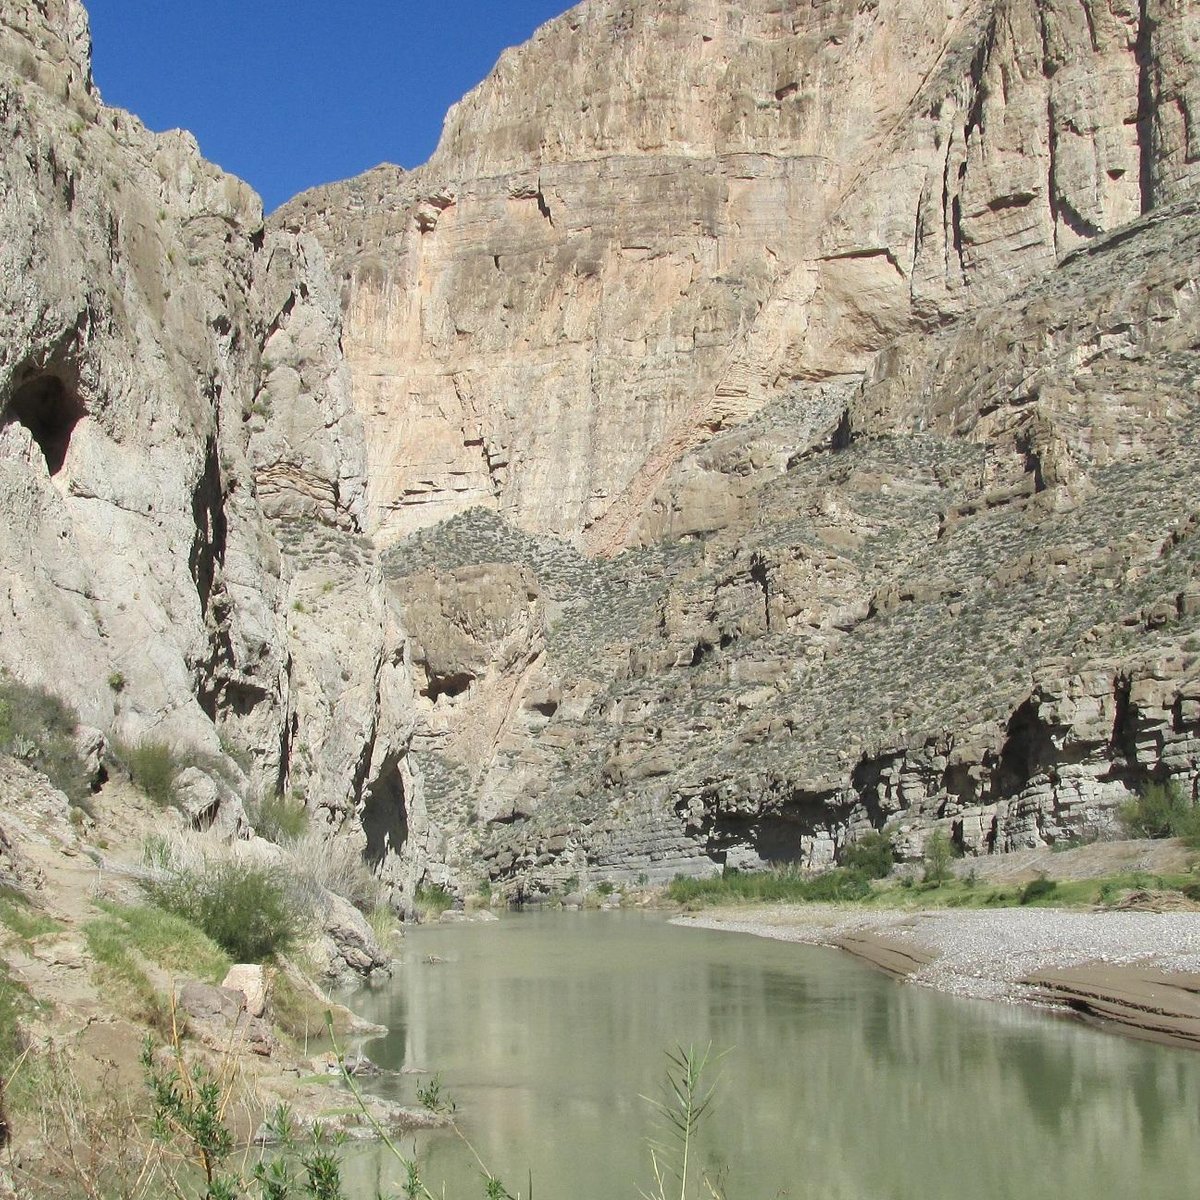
<point>335,865</point>
<point>152,766</point>
<point>1037,889</point>
<point>687,1098</point>
<point>570,884</point>
<point>938,853</point>
<point>432,900</point>
<point>278,818</point>
<point>433,1098</point>
<point>189,1110</point>
<point>188,1121</point>
<point>1161,810</point>
<point>605,888</point>
<point>39,728</point>
<point>116,682</point>
<point>871,855</point>
<point>248,910</point>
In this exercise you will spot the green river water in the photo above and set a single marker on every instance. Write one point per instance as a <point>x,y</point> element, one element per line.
<point>837,1083</point>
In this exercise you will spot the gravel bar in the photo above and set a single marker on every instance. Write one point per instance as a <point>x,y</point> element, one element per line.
<point>1135,972</point>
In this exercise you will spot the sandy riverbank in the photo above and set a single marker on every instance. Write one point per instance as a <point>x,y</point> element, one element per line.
<point>1138,973</point>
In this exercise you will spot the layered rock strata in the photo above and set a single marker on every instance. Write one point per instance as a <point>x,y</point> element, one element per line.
<point>752,427</point>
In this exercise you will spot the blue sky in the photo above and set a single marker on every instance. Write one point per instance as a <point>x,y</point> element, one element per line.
<point>291,95</point>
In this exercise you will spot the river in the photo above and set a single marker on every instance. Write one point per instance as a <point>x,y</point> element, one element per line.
<point>835,1081</point>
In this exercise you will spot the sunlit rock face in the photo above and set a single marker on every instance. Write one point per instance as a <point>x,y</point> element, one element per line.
<point>863,337</point>
<point>651,219</point>
<point>756,424</point>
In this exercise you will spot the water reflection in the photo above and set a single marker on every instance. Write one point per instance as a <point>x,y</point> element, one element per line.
<point>838,1082</point>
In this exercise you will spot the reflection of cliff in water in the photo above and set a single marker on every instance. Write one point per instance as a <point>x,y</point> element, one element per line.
<point>839,1082</point>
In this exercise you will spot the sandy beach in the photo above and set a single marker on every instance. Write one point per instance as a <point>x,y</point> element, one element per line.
<point>1136,973</point>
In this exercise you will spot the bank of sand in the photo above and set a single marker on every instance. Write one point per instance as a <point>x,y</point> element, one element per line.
<point>1137,973</point>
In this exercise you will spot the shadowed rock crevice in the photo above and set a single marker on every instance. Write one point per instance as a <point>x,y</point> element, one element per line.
<point>385,815</point>
<point>49,409</point>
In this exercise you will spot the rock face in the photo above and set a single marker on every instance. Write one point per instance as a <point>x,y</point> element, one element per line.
<point>651,219</point>
<point>814,315</point>
<point>182,471</point>
<point>755,425</point>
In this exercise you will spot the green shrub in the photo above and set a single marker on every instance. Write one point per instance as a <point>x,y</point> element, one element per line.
<point>605,888</point>
<point>249,911</point>
<point>870,855</point>
<point>1037,889</point>
<point>938,853</point>
<point>774,886</point>
<point>38,728</point>
<point>278,818</point>
<point>433,899</point>
<point>152,766</point>
<point>1161,810</point>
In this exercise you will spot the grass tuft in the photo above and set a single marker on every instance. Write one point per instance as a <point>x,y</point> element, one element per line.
<point>39,729</point>
<point>278,818</point>
<point>250,911</point>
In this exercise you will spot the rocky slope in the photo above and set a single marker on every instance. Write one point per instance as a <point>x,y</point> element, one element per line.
<point>753,426</point>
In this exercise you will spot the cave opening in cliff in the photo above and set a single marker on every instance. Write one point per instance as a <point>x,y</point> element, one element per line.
<point>385,815</point>
<point>50,411</point>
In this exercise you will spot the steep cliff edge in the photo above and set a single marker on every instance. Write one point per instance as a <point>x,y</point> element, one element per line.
<point>652,219</point>
<point>181,468</point>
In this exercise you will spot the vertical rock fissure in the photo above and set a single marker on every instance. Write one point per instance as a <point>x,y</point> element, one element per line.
<point>1142,50</point>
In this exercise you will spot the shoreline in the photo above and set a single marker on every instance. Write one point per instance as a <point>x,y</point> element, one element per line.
<point>1131,973</point>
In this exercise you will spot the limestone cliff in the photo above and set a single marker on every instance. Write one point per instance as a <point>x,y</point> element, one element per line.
<point>181,466</point>
<point>757,423</point>
<point>653,218</point>
<point>815,318</point>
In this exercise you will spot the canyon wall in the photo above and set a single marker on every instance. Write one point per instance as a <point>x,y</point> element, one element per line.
<point>182,470</point>
<point>815,419</point>
<point>651,219</point>
<point>758,423</point>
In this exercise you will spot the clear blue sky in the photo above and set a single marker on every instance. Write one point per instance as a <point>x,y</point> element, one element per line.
<point>289,95</point>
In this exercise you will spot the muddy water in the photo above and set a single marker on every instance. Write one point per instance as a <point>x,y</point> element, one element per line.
<point>835,1082</point>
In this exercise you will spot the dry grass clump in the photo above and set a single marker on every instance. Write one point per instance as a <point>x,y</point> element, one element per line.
<point>335,865</point>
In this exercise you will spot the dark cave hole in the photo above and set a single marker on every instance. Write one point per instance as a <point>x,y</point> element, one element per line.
<point>447,685</point>
<point>385,816</point>
<point>50,411</point>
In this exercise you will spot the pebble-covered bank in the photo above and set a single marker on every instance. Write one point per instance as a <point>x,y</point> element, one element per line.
<point>1137,971</point>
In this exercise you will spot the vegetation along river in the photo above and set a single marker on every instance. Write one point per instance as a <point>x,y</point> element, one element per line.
<point>837,1082</point>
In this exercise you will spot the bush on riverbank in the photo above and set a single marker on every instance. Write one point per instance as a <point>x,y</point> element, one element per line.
<point>248,910</point>
<point>785,884</point>
<point>431,900</point>
<point>870,855</point>
<point>1162,810</point>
